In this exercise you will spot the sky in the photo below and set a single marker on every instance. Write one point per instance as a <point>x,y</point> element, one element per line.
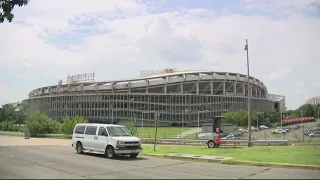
<point>49,39</point>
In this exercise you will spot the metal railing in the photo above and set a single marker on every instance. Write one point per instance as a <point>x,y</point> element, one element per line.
<point>171,140</point>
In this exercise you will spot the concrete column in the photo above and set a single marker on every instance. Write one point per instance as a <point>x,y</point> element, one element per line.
<point>181,87</point>
<point>197,87</point>
<point>224,88</point>
<point>243,89</point>
<point>211,87</point>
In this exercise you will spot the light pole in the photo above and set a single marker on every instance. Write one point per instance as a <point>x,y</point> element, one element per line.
<point>258,118</point>
<point>131,115</point>
<point>280,119</point>
<point>111,106</point>
<point>142,118</point>
<point>246,48</point>
<point>183,112</point>
<point>319,112</point>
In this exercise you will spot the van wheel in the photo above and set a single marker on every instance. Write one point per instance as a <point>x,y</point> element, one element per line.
<point>110,152</point>
<point>79,148</point>
<point>134,155</point>
<point>211,144</point>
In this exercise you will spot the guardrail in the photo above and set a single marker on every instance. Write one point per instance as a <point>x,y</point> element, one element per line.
<point>174,141</point>
<point>203,141</point>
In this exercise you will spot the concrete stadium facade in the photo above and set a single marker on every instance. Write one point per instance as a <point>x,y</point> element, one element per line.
<point>180,98</point>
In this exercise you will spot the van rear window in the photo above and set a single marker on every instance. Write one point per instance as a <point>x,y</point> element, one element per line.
<point>80,129</point>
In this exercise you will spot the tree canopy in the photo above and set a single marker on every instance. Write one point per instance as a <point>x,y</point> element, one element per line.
<point>6,7</point>
<point>305,110</point>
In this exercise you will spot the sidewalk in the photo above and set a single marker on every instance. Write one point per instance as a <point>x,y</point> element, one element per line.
<point>20,141</point>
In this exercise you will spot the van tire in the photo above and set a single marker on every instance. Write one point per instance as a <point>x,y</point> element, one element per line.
<point>134,155</point>
<point>79,148</point>
<point>109,153</point>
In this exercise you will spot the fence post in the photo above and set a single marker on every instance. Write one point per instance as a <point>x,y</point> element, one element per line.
<point>302,133</point>
<point>265,135</point>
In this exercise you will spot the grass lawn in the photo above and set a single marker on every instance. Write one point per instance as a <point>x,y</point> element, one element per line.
<point>163,132</point>
<point>273,154</point>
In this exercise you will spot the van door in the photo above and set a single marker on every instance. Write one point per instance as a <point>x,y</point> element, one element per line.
<point>89,137</point>
<point>102,139</point>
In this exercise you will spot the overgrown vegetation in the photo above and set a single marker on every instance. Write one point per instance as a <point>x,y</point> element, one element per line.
<point>69,124</point>
<point>18,117</point>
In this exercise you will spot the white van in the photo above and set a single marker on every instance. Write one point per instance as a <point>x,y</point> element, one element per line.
<point>108,139</point>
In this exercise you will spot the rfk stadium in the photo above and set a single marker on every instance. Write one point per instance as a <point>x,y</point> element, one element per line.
<point>172,97</point>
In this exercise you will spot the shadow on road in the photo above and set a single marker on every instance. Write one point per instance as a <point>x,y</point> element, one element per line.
<point>119,158</point>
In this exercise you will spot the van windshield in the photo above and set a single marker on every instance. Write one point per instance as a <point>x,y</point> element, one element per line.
<point>118,131</point>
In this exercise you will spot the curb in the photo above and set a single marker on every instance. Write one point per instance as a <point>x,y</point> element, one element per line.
<point>234,162</point>
<point>299,166</point>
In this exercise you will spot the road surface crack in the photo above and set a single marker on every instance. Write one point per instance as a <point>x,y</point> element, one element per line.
<point>250,175</point>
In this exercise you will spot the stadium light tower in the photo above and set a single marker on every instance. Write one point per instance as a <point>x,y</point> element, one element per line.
<point>246,48</point>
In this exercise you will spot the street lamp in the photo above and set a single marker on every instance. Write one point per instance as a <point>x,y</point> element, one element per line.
<point>258,118</point>
<point>246,48</point>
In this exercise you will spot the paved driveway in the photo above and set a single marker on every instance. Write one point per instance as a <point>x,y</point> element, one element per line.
<point>19,160</point>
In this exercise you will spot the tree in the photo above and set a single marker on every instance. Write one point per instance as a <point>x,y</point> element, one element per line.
<point>69,124</point>
<point>7,7</point>
<point>9,112</point>
<point>131,127</point>
<point>21,111</point>
<point>40,123</point>
<point>14,113</point>
<point>239,118</point>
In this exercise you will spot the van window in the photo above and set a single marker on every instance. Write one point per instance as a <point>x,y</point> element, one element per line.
<point>91,130</point>
<point>102,129</point>
<point>79,129</point>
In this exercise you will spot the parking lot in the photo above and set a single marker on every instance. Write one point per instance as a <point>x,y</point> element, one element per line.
<point>294,135</point>
<point>61,161</point>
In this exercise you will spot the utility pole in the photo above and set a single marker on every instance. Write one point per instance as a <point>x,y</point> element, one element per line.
<point>156,119</point>
<point>246,48</point>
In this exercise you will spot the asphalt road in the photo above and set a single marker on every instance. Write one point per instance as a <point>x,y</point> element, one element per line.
<point>62,162</point>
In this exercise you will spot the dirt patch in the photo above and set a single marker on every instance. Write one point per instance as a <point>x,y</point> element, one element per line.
<point>20,141</point>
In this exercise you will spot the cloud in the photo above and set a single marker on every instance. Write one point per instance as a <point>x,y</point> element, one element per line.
<point>50,39</point>
<point>316,84</point>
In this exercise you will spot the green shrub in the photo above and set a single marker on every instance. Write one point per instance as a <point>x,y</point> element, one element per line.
<point>39,123</point>
<point>130,126</point>
<point>69,124</point>
<point>8,126</point>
